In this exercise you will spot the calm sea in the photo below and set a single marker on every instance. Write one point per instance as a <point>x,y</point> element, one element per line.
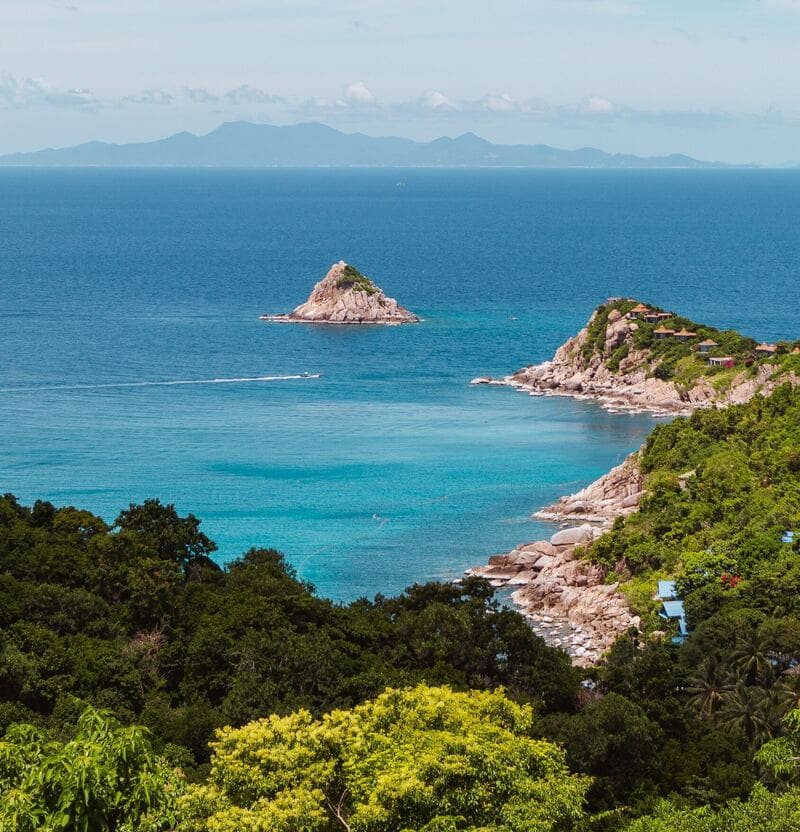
<point>389,468</point>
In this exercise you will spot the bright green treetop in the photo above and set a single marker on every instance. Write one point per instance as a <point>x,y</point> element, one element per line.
<point>762,812</point>
<point>419,759</point>
<point>782,755</point>
<point>105,778</point>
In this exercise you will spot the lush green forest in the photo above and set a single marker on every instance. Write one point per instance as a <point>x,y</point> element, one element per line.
<point>137,618</point>
<point>124,648</point>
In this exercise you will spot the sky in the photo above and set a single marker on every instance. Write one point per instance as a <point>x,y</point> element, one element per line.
<point>717,79</point>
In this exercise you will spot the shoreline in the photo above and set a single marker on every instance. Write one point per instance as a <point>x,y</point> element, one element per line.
<point>565,598</point>
<point>612,402</point>
<point>286,318</point>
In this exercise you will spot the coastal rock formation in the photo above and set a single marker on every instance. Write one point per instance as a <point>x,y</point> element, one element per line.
<point>615,494</point>
<point>345,296</point>
<point>628,360</point>
<point>612,367</point>
<point>564,597</point>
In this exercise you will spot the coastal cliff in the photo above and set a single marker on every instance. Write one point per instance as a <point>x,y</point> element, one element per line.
<point>629,356</point>
<point>346,296</point>
<point>633,357</point>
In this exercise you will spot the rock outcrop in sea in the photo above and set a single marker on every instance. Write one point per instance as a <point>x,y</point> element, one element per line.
<point>345,296</point>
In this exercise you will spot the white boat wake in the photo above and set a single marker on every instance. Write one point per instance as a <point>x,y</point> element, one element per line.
<point>172,383</point>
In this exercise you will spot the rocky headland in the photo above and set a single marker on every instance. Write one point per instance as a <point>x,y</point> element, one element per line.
<point>661,365</point>
<point>628,357</point>
<point>346,296</point>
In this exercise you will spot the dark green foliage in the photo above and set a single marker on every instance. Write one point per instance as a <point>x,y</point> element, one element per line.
<point>352,278</point>
<point>596,330</point>
<point>138,619</point>
<point>722,486</point>
<point>679,361</point>
<point>613,740</point>
<point>619,354</point>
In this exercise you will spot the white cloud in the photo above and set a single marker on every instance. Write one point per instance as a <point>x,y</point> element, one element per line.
<point>198,95</point>
<point>20,93</point>
<point>160,98</point>
<point>241,95</point>
<point>359,93</point>
<point>502,103</point>
<point>598,106</point>
<point>435,100</point>
<point>245,94</point>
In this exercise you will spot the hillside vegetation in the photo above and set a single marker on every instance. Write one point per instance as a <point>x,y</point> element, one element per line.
<point>675,360</point>
<point>136,620</point>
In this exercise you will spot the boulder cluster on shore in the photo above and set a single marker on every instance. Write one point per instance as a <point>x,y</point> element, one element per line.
<point>565,597</point>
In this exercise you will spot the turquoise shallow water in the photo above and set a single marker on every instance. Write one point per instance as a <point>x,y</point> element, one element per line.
<point>389,468</point>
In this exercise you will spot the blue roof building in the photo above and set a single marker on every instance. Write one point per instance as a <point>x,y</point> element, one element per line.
<point>674,611</point>
<point>666,590</point>
<point>788,537</point>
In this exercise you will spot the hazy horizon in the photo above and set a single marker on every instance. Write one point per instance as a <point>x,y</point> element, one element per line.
<point>707,79</point>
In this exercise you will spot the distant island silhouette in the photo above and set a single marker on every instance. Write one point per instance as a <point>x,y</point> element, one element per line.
<point>243,144</point>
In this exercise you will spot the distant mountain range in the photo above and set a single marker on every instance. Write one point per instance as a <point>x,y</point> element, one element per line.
<point>242,144</point>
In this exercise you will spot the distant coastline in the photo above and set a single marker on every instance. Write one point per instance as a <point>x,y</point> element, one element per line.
<point>247,145</point>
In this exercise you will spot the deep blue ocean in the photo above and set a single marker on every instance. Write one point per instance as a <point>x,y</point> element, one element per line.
<point>389,468</point>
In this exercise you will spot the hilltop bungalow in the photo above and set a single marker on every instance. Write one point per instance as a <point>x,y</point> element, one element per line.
<point>721,361</point>
<point>707,345</point>
<point>684,335</point>
<point>655,317</point>
<point>766,349</point>
<point>662,333</point>
<point>787,537</point>
<point>638,311</point>
<point>796,351</point>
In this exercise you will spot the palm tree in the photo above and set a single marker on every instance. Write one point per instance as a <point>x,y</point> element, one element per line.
<point>752,658</point>
<point>747,709</point>
<point>709,688</point>
<point>788,692</point>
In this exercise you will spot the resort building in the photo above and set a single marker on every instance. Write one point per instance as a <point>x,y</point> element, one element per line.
<point>662,332</point>
<point>667,591</point>
<point>721,361</point>
<point>654,317</point>
<point>685,335</point>
<point>787,537</point>
<point>638,311</point>
<point>766,349</point>
<point>674,611</point>
<point>707,345</point>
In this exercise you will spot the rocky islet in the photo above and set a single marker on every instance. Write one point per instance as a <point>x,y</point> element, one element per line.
<point>346,296</point>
